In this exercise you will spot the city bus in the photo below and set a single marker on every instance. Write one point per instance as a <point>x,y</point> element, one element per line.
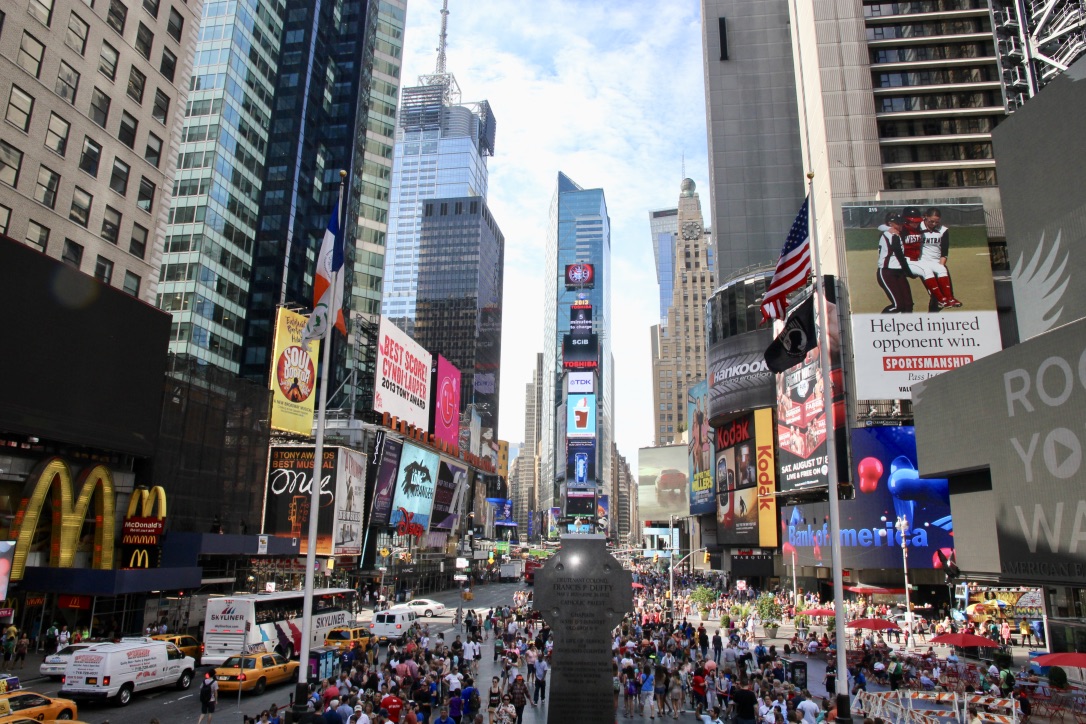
<point>267,622</point>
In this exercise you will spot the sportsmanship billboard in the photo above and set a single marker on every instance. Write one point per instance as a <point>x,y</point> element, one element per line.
<point>293,375</point>
<point>581,415</point>
<point>888,486</point>
<point>738,377</point>
<point>581,462</point>
<point>921,292</point>
<point>452,483</point>
<point>386,456</point>
<point>401,384</point>
<point>702,492</point>
<point>348,523</point>
<point>446,411</point>
<point>662,485</point>
<point>745,476</point>
<point>288,491</point>
<point>415,486</point>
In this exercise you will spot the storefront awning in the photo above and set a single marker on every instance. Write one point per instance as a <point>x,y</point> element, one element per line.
<point>94,582</point>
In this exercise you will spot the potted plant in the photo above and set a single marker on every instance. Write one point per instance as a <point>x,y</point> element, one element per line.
<point>770,612</point>
<point>703,597</point>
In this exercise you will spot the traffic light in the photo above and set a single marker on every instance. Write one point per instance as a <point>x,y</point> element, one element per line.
<point>655,558</point>
<point>707,557</point>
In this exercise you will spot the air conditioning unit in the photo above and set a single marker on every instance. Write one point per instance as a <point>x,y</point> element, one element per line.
<point>1006,19</point>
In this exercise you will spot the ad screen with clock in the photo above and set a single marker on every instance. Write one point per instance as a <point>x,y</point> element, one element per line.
<point>580,276</point>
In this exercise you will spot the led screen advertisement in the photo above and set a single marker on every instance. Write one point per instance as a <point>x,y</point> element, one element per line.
<point>738,377</point>
<point>662,482</point>
<point>350,503</point>
<point>293,375</point>
<point>446,402</point>
<point>402,377</point>
<point>580,462</point>
<point>503,512</point>
<point>580,352</point>
<point>449,495</point>
<point>888,486</point>
<point>581,415</point>
<point>287,495</point>
<point>745,472</point>
<point>581,502</point>
<point>580,382</point>
<point>386,458</point>
<point>580,276</point>
<point>700,451</point>
<point>7,555</point>
<point>415,487</point>
<point>603,508</point>
<point>580,319</point>
<point>920,291</point>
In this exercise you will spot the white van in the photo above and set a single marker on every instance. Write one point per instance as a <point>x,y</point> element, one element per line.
<point>392,625</point>
<point>118,670</point>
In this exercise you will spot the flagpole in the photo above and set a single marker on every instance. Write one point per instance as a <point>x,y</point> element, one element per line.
<point>301,692</point>
<point>844,705</point>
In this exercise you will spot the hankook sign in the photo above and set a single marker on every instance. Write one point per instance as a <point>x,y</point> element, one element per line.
<point>738,377</point>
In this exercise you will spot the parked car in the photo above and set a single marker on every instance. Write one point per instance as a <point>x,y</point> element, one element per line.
<point>255,672</point>
<point>54,665</point>
<point>426,607</point>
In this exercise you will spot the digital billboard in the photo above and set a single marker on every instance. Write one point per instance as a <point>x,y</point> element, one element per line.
<point>581,502</point>
<point>552,523</point>
<point>738,377</point>
<point>452,480</point>
<point>662,485</point>
<point>580,276</point>
<point>920,290</point>
<point>889,486</point>
<point>503,511</point>
<point>401,384</point>
<point>386,456</point>
<point>581,415</point>
<point>580,462</point>
<point>415,487</point>
<point>7,555</point>
<point>348,521</point>
<point>580,382</point>
<point>736,474</point>
<point>702,491</point>
<point>580,352</point>
<point>293,375</point>
<point>580,319</point>
<point>287,495</point>
<point>446,402</point>
<point>603,509</point>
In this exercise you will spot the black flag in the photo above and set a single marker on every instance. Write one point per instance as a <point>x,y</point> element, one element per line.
<point>796,339</point>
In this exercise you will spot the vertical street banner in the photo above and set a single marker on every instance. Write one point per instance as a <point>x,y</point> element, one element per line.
<point>293,375</point>
<point>350,503</point>
<point>287,495</point>
<point>415,488</point>
<point>766,472</point>
<point>700,451</point>
<point>401,384</point>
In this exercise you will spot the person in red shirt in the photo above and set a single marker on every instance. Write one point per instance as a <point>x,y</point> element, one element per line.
<point>394,705</point>
<point>329,691</point>
<point>697,685</point>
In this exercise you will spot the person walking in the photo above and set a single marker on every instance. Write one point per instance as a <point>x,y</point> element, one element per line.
<point>518,690</point>
<point>541,669</point>
<point>209,696</point>
<point>21,647</point>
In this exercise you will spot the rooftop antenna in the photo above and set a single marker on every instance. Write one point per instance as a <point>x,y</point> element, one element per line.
<point>441,76</point>
<point>443,39</point>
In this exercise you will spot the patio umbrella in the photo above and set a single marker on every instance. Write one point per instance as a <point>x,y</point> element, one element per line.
<point>964,639</point>
<point>1069,658</point>
<point>817,612</point>
<point>875,624</point>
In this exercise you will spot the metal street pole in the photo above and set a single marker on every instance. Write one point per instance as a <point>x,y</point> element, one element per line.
<point>795,590</point>
<point>671,565</point>
<point>902,526</point>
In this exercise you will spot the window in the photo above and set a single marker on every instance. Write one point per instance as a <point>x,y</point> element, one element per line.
<point>137,245</point>
<point>146,197</point>
<point>30,54</point>
<point>111,225</point>
<point>20,108</point>
<point>169,64</point>
<point>11,160</point>
<point>67,82</point>
<point>90,157</point>
<point>76,39</point>
<point>117,16</point>
<point>107,61</point>
<point>176,25</point>
<point>136,83</point>
<point>103,270</point>
<point>118,179</point>
<point>37,235</point>
<point>144,40</point>
<point>42,10</point>
<point>5,219</point>
<point>153,153</point>
<point>81,206</point>
<point>99,107</point>
<point>45,192</point>
<point>162,107</point>
<point>151,6</point>
<point>127,132</point>
<point>131,284</point>
<point>73,253</point>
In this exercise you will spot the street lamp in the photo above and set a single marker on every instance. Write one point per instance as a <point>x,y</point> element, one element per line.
<point>902,526</point>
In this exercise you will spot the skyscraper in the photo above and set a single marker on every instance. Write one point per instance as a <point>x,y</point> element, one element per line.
<point>579,232</point>
<point>441,150</point>
<point>525,485</point>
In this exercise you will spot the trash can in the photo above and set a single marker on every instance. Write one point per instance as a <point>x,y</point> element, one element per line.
<point>795,672</point>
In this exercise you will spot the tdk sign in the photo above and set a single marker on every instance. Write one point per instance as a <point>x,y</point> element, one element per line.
<point>581,382</point>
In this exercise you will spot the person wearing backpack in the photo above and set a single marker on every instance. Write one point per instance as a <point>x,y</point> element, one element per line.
<point>209,696</point>
<point>895,673</point>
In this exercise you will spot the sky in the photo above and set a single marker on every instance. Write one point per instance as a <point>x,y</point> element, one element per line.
<point>611,94</point>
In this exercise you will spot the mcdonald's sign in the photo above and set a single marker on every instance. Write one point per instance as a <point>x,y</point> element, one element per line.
<point>141,534</point>
<point>52,478</point>
<point>141,556</point>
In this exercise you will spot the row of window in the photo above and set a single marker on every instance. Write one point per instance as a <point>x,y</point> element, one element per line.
<point>936,152</point>
<point>950,51</point>
<point>937,126</point>
<point>881,9</point>
<point>939,179</point>
<point>942,76</point>
<point>941,101</point>
<point>927,30</point>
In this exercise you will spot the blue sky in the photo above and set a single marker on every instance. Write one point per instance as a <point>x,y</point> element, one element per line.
<point>610,93</point>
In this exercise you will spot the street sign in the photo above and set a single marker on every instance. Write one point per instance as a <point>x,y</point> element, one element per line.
<point>460,578</point>
<point>461,563</point>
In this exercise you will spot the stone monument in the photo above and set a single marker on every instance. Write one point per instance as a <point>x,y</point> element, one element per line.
<point>583,593</point>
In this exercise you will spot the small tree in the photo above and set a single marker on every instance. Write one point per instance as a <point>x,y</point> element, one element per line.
<point>703,597</point>
<point>769,611</point>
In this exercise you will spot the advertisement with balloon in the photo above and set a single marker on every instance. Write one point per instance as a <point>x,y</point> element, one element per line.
<point>888,487</point>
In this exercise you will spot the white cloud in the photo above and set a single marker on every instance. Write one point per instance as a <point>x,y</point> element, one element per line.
<point>612,95</point>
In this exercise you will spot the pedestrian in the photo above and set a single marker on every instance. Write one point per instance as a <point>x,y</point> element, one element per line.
<point>518,690</point>
<point>541,668</point>
<point>494,700</point>
<point>209,696</point>
<point>507,713</point>
<point>21,647</point>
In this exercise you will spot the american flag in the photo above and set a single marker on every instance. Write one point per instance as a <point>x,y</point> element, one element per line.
<point>793,267</point>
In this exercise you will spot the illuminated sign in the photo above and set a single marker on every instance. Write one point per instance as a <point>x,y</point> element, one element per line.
<point>580,276</point>
<point>580,352</point>
<point>141,532</point>
<point>581,416</point>
<point>293,375</point>
<point>581,382</point>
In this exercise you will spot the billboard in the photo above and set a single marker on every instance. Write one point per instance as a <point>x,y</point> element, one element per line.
<point>503,512</point>
<point>580,276</point>
<point>7,555</point>
<point>700,450</point>
<point>580,352</point>
<point>293,376</point>
<point>920,293</point>
<point>287,495</point>
<point>738,377</point>
<point>744,469</point>
<point>452,487</point>
<point>415,486</point>
<point>580,319</point>
<point>889,486</point>
<point>580,462</point>
<point>348,523</point>
<point>580,382</point>
<point>581,502</point>
<point>603,508</point>
<point>401,384</point>
<point>581,415</point>
<point>662,485</point>
<point>446,403</point>
<point>386,456</point>
<point>552,523</point>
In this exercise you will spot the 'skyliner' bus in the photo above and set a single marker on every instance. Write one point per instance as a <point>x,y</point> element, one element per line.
<point>267,622</point>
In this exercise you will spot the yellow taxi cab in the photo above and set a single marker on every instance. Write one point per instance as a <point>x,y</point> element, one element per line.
<point>22,704</point>
<point>345,637</point>
<point>188,644</point>
<point>254,672</point>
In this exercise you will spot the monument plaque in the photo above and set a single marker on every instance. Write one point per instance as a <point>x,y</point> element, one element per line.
<point>583,593</point>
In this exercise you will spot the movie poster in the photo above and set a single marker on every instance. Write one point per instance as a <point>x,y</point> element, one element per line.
<point>700,450</point>
<point>348,522</point>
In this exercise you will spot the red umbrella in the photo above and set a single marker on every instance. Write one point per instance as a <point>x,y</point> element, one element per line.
<point>817,612</point>
<point>875,624</point>
<point>1069,658</point>
<point>964,639</point>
